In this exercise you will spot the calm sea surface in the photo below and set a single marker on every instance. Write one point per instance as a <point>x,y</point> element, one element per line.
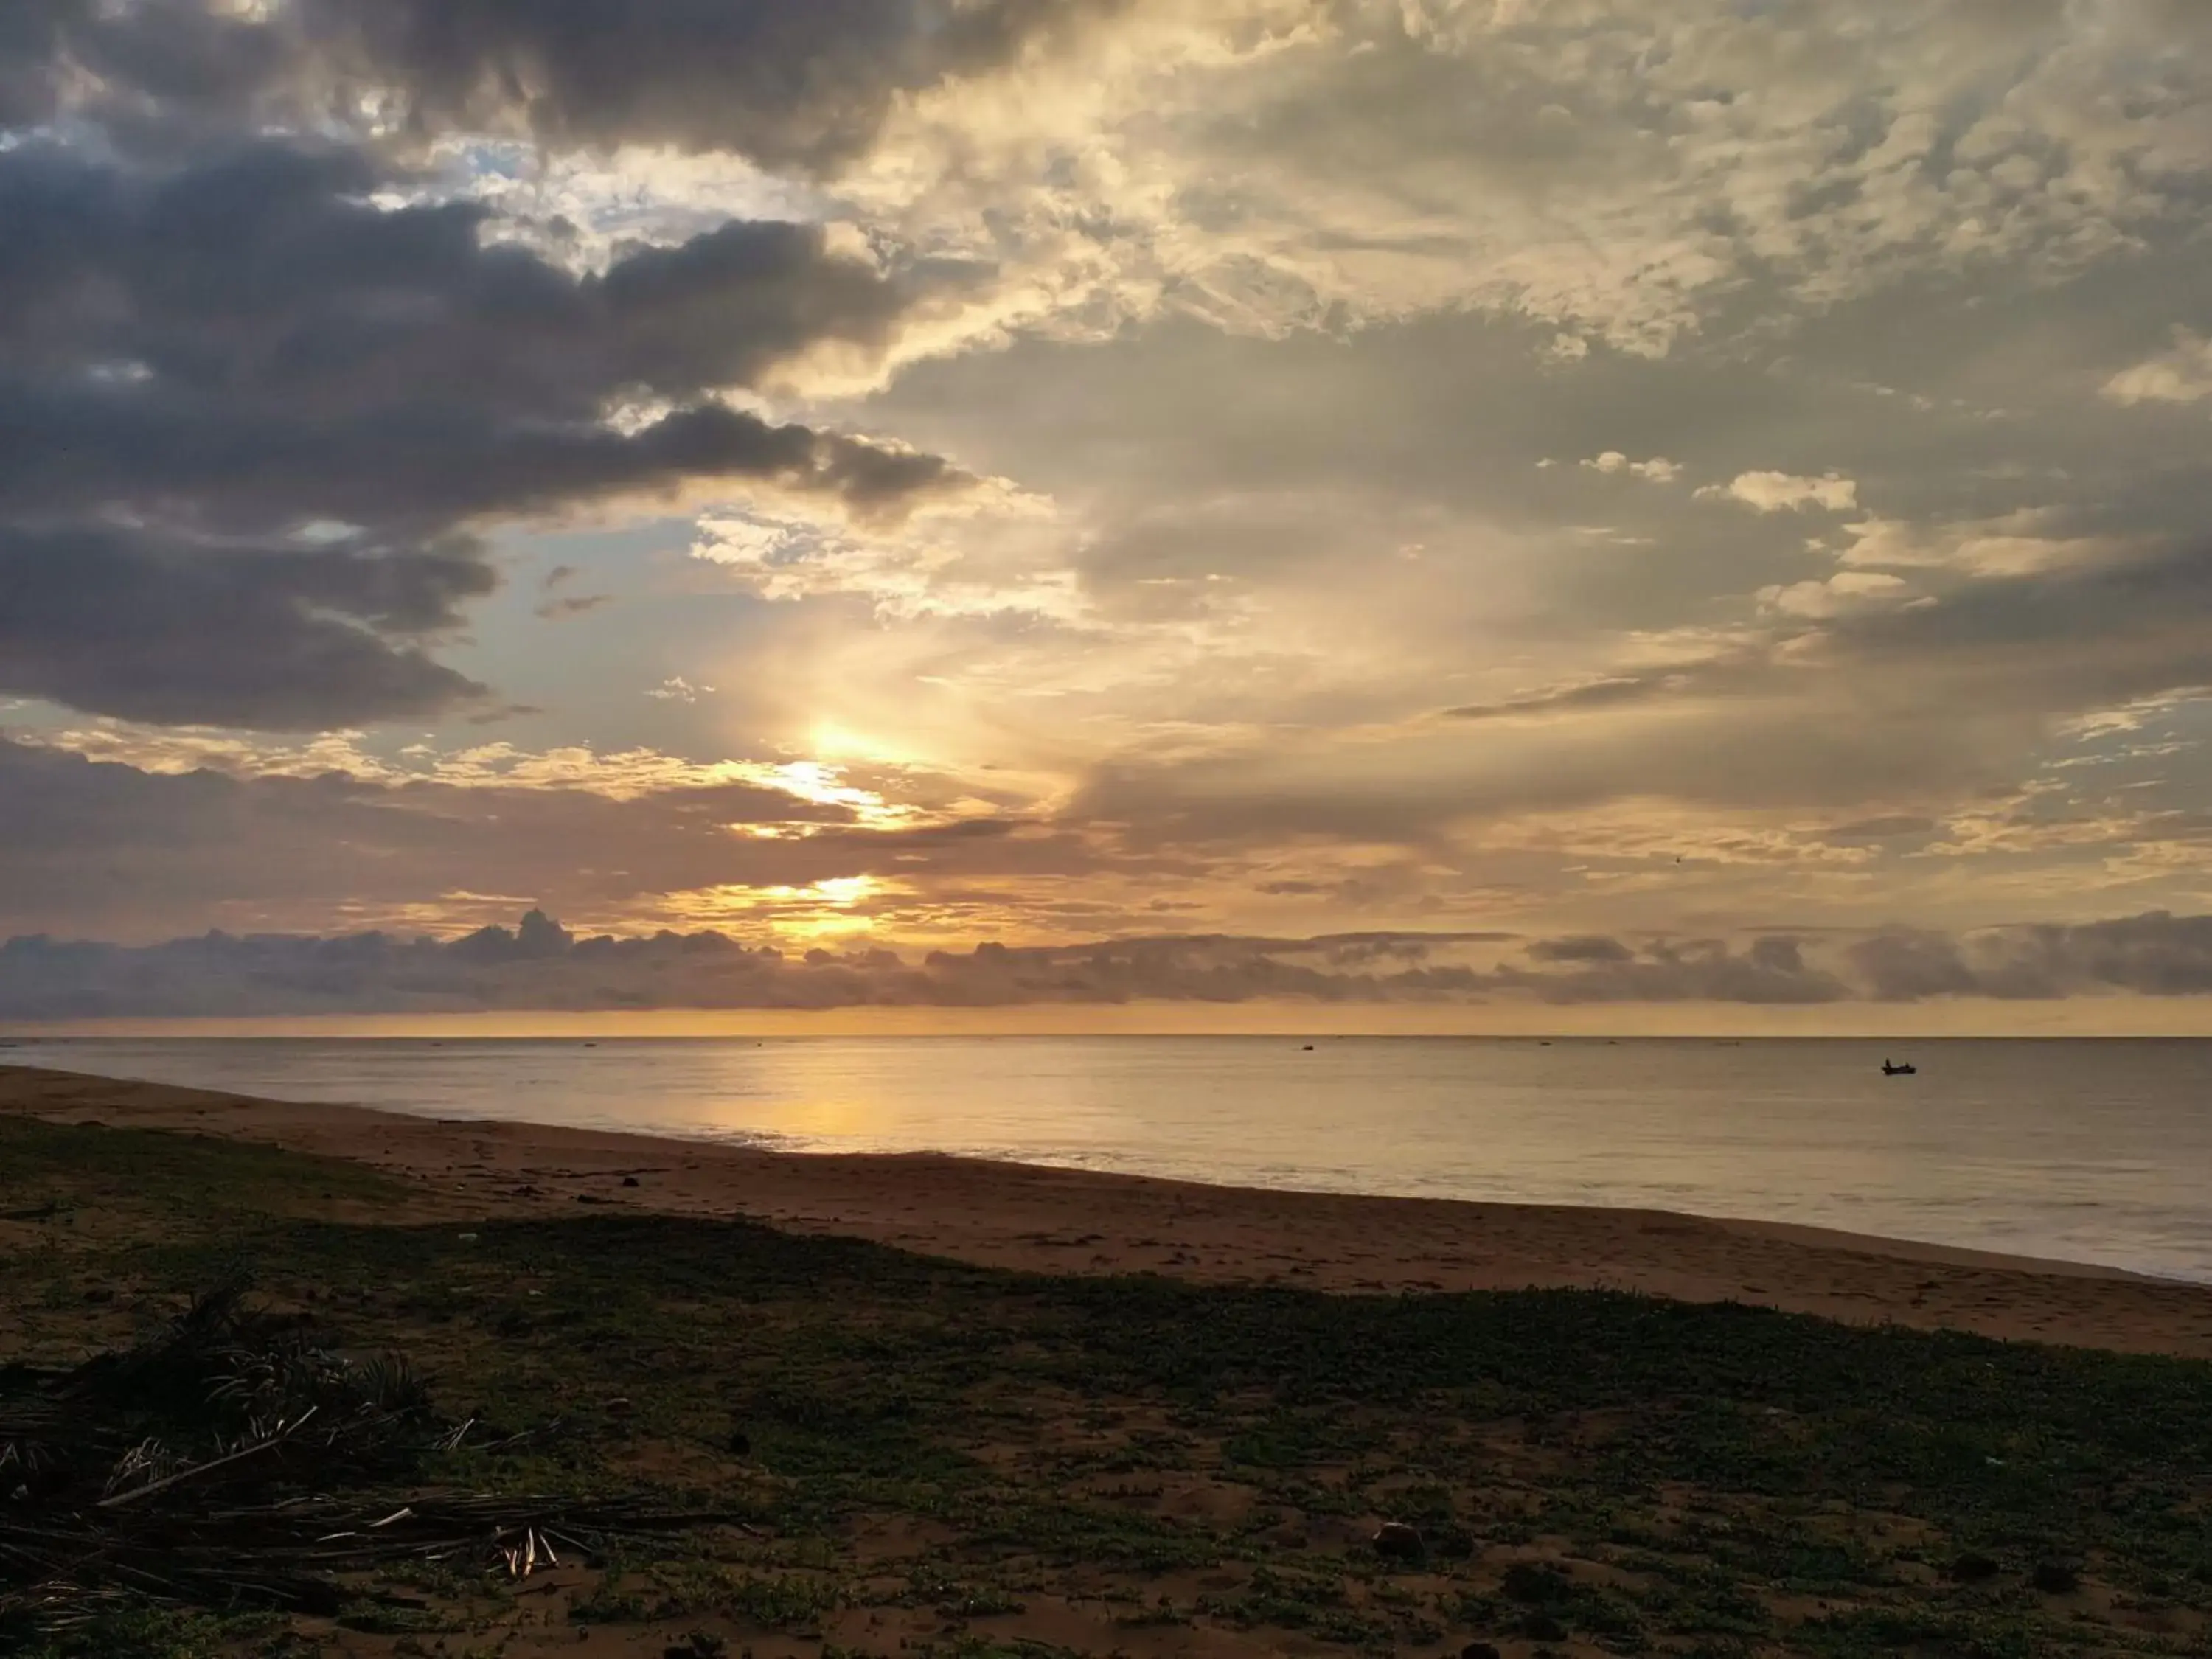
<point>2086,1151</point>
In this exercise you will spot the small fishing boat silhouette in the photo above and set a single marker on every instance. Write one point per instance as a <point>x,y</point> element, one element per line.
<point>1906,1070</point>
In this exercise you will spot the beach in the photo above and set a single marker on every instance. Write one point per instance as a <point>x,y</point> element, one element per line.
<point>1078,1222</point>
<point>282,1379</point>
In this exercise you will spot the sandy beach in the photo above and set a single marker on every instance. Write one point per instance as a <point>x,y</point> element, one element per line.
<point>740,1429</point>
<point>1080,1222</point>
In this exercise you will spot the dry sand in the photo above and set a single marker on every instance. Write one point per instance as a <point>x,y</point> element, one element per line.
<point>1071,1221</point>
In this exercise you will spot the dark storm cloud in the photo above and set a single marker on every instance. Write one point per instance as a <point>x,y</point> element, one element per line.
<point>786,82</point>
<point>141,61</point>
<point>209,465</point>
<point>163,632</point>
<point>265,274</point>
<point>244,413</point>
<point>803,82</point>
<point>165,68</point>
<point>30,49</point>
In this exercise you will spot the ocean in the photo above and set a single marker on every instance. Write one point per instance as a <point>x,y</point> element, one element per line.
<point>2084,1150</point>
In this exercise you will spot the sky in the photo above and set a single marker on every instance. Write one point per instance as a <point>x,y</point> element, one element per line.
<point>1486,511</point>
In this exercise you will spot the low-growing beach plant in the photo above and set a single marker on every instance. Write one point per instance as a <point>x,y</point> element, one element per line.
<point>913,1456</point>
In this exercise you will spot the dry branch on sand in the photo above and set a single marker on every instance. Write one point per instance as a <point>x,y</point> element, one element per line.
<point>232,1460</point>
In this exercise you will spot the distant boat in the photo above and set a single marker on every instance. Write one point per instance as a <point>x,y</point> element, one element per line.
<point>1906,1070</point>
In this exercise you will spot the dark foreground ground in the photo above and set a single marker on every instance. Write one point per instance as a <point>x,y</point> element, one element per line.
<point>738,1442</point>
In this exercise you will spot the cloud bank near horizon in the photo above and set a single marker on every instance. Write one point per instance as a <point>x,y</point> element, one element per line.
<point>540,966</point>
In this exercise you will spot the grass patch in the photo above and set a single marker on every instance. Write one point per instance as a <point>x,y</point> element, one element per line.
<point>906,1446</point>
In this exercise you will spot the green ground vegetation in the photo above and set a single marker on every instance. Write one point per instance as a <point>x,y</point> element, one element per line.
<point>917,1456</point>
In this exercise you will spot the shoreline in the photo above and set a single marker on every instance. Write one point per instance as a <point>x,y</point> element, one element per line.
<point>1058,1220</point>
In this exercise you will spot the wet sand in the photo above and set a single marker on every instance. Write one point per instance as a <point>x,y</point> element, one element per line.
<point>1082,1222</point>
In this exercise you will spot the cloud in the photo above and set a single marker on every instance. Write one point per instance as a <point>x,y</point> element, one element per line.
<point>1628,174</point>
<point>804,85</point>
<point>1586,948</point>
<point>2030,541</point>
<point>1871,707</point>
<point>1623,172</point>
<point>2157,954</point>
<point>30,42</point>
<point>973,554</point>
<point>572,605</point>
<point>177,841</point>
<point>1771,970</point>
<point>787,83</point>
<point>155,628</point>
<point>1256,318</point>
<point>1657,470</point>
<point>2050,639</point>
<point>1833,597</point>
<point>248,417</point>
<point>2181,375</point>
<point>1633,174</point>
<point>1782,492</point>
<point>1614,690</point>
<point>268,270</point>
<point>542,965</point>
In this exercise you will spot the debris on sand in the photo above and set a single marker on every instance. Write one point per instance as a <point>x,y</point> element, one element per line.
<point>237,1459</point>
<point>1396,1541</point>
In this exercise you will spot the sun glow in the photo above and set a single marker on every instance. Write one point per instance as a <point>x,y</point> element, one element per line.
<point>840,743</point>
<point>825,785</point>
<point>826,909</point>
